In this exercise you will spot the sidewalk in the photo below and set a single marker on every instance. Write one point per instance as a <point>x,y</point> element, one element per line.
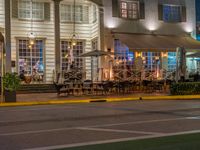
<point>53,99</point>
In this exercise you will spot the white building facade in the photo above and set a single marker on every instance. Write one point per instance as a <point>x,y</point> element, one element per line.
<point>143,34</point>
<point>53,24</point>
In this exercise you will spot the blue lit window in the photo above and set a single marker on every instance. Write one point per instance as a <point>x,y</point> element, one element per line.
<point>122,52</point>
<point>171,61</point>
<point>171,13</point>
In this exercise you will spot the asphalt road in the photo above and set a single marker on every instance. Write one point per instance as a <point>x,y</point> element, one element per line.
<point>58,126</point>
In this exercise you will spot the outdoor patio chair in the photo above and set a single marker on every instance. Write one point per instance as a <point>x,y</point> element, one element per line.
<point>87,87</point>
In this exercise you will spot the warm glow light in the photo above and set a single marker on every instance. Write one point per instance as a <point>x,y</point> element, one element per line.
<point>188,28</point>
<point>143,58</point>
<point>31,42</point>
<point>164,54</point>
<point>66,56</point>
<point>30,46</point>
<point>110,24</point>
<point>151,24</point>
<point>74,43</point>
<point>138,54</point>
<point>157,58</point>
<point>157,73</point>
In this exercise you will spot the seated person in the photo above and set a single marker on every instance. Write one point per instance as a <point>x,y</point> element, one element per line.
<point>22,75</point>
<point>35,75</point>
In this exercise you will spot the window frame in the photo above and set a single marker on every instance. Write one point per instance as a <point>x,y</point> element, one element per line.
<point>31,11</point>
<point>128,2</point>
<point>172,21</point>
<point>71,13</point>
<point>43,55</point>
<point>75,57</point>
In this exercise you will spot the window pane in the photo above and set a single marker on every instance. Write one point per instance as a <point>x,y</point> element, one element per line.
<point>31,60</point>
<point>28,10</point>
<point>129,9</point>
<point>171,13</point>
<point>66,13</point>
<point>67,51</point>
<point>38,11</point>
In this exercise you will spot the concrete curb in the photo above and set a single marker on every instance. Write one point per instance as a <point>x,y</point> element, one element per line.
<point>145,98</point>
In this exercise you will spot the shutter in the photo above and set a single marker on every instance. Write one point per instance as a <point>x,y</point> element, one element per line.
<point>183,14</point>
<point>85,14</point>
<point>160,12</point>
<point>47,12</point>
<point>15,8</point>
<point>142,10</point>
<point>115,8</point>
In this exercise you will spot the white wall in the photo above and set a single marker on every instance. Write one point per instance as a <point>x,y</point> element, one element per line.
<point>151,20</point>
<point>85,32</point>
<point>2,14</point>
<point>20,28</point>
<point>43,29</point>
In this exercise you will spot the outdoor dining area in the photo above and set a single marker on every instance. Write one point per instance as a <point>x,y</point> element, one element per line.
<point>123,81</point>
<point>74,85</point>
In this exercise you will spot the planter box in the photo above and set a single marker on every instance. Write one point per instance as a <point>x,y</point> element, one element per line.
<point>10,96</point>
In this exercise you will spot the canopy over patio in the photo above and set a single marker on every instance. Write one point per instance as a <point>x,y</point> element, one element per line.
<point>140,42</point>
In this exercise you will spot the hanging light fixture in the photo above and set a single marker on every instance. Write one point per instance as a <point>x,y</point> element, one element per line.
<point>74,36</point>
<point>31,35</point>
<point>73,39</point>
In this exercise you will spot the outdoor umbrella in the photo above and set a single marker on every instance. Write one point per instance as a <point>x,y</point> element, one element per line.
<point>95,53</point>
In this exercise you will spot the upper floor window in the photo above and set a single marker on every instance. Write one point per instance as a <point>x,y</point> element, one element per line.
<point>171,13</point>
<point>94,13</point>
<point>129,9</point>
<point>67,13</point>
<point>31,10</point>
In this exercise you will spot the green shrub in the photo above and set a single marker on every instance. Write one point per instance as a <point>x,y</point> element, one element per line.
<point>185,88</point>
<point>11,82</point>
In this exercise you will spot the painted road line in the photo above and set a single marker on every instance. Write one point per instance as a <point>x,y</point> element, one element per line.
<point>112,141</point>
<point>36,109</point>
<point>72,128</point>
<point>138,122</point>
<point>120,131</point>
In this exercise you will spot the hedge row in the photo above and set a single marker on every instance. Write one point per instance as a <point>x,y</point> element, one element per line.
<point>185,88</point>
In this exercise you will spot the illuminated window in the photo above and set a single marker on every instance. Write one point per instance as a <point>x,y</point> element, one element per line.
<point>31,10</point>
<point>171,61</point>
<point>129,9</point>
<point>171,13</point>
<point>151,60</point>
<point>68,55</point>
<point>30,59</point>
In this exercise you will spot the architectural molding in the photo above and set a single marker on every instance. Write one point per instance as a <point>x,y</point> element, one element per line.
<point>57,34</point>
<point>8,34</point>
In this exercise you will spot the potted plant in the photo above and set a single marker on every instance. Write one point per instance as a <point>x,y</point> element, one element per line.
<point>11,83</point>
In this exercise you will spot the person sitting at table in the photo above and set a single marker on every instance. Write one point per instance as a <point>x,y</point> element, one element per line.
<point>35,75</point>
<point>22,75</point>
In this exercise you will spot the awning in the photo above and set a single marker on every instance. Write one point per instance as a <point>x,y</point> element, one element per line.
<point>194,55</point>
<point>139,42</point>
